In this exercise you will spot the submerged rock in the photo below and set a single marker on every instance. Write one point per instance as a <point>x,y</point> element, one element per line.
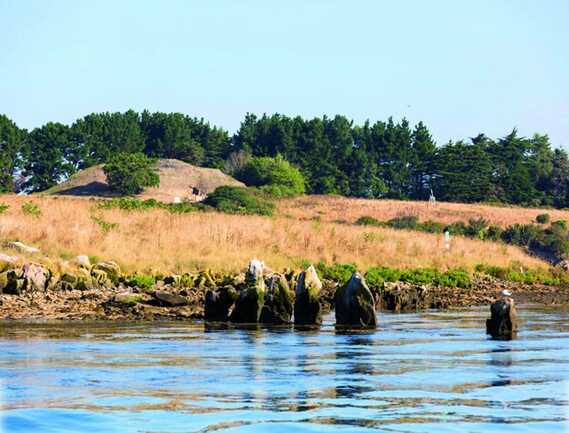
<point>278,301</point>
<point>251,299</point>
<point>503,322</point>
<point>355,305</point>
<point>307,307</point>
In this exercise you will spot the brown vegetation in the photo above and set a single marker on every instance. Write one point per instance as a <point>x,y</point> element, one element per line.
<point>156,240</point>
<point>337,208</point>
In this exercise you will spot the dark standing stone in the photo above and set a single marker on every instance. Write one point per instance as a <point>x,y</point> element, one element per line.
<point>503,323</point>
<point>278,301</point>
<point>355,304</point>
<point>218,303</point>
<point>307,307</point>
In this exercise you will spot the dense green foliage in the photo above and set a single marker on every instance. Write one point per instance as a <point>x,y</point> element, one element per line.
<point>10,148</point>
<point>3,208</point>
<point>381,159</point>
<point>376,276</point>
<point>552,239</point>
<point>519,274</point>
<point>273,175</point>
<point>239,200</point>
<point>31,209</point>
<point>130,173</point>
<point>134,204</point>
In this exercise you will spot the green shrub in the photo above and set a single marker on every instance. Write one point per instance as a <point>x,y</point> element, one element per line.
<point>519,274</point>
<point>476,228</point>
<point>275,176</point>
<point>560,223</point>
<point>451,278</point>
<point>239,200</point>
<point>104,225</point>
<point>368,221</point>
<point>406,222</point>
<point>134,204</point>
<point>542,218</point>
<point>458,228</point>
<point>432,227</point>
<point>3,208</point>
<point>494,233</point>
<point>31,209</point>
<point>338,272</point>
<point>521,234</point>
<point>130,173</point>
<point>142,281</point>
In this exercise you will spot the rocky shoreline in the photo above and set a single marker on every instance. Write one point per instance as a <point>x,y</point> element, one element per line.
<point>101,292</point>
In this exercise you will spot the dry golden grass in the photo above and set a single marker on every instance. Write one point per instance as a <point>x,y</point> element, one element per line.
<point>156,240</point>
<point>336,208</point>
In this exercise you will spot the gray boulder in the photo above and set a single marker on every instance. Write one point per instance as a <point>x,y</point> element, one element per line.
<point>355,305</point>
<point>307,307</point>
<point>170,299</point>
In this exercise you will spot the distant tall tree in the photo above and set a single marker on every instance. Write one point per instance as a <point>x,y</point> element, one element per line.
<point>463,173</point>
<point>100,135</point>
<point>10,147</point>
<point>47,154</point>
<point>512,169</point>
<point>421,168</point>
<point>559,182</point>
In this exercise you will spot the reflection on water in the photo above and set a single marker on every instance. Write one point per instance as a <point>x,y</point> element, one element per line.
<point>427,372</point>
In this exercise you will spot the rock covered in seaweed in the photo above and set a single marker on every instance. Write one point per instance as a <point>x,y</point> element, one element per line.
<point>355,305</point>
<point>278,301</point>
<point>218,303</point>
<point>251,298</point>
<point>503,322</point>
<point>307,307</point>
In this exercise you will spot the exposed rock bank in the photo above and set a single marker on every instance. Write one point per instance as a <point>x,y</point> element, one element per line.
<point>102,291</point>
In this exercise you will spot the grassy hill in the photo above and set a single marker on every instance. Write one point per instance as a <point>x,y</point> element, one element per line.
<point>177,179</point>
<point>310,228</point>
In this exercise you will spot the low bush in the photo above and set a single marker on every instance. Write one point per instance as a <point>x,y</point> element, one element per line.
<point>542,218</point>
<point>519,274</point>
<point>142,281</point>
<point>406,222</point>
<point>368,221</point>
<point>239,200</point>
<point>275,176</point>
<point>451,278</point>
<point>3,208</point>
<point>134,204</point>
<point>31,209</point>
<point>337,272</point>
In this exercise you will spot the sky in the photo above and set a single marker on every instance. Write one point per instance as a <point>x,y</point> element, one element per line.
<point>462,67</point>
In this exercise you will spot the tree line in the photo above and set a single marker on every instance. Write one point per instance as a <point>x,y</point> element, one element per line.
<point>384,159</point>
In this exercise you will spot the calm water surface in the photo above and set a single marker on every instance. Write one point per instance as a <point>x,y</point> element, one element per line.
<point>426,372</point>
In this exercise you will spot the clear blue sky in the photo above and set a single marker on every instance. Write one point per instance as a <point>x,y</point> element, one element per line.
<point>462,67</point>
